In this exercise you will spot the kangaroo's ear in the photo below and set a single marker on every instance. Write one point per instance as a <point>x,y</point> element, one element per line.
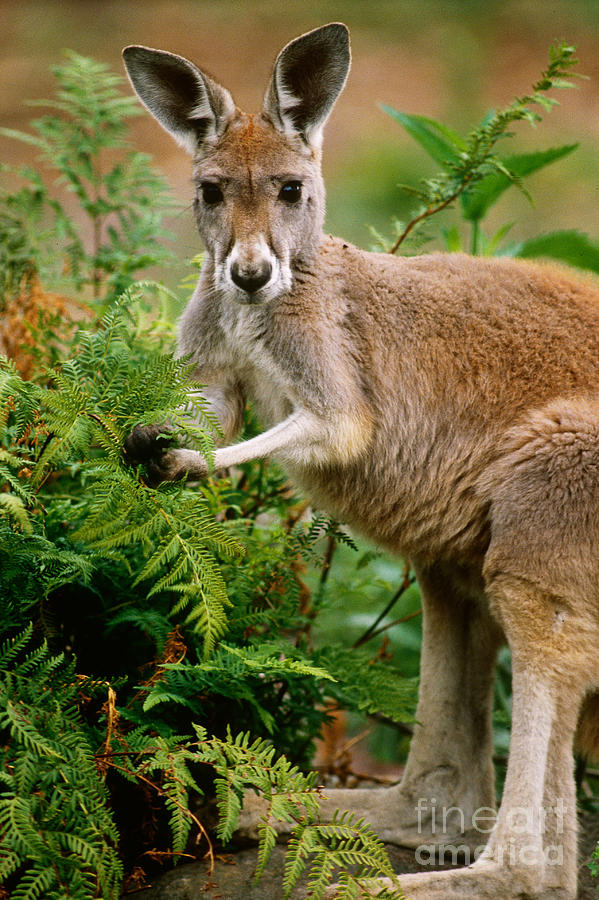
<point>308,76</point>
<point>190,105</point>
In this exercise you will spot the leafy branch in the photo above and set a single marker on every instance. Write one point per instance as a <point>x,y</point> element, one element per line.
<point>467,162</point>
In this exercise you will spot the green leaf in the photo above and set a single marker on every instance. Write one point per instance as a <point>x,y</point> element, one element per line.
<point>477,200</point>
<point>13,507</point>
<point>572,247</point>
<point>439,141</point>
<point>491,244</point>
<point>452,239</point>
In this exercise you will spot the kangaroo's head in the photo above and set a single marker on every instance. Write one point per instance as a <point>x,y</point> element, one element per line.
<point>259,201</point>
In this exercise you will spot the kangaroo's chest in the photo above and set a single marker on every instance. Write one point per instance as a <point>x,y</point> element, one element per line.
<point>266,389</point>
<point>279,365</point>
<point>259,374</point>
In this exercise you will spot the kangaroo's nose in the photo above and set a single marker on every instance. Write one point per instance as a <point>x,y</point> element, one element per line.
<point>251,278</point>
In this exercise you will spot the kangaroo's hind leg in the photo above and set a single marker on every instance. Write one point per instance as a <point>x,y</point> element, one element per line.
<point>449,774</point>
<point>542,576</point>
<point>543,570</point>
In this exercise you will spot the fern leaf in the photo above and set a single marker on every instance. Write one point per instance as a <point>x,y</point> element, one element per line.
<point>301,845</point>
<point>13,646</point>
<point>267,839</point>
<point>35,883</point>
<point>228,801</point>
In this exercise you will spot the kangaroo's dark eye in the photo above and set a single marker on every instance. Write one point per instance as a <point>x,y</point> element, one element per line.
<point>291,192</point>
<point>211,193</point>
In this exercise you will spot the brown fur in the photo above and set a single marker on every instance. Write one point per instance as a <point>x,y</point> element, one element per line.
<point>445,406</point>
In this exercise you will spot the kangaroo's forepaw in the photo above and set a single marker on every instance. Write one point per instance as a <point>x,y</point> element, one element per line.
<point>151,446</point>
<point>147,444</point>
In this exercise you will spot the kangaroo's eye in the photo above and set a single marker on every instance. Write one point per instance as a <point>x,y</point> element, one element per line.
<point>291,192</point>
<point>211,193</point>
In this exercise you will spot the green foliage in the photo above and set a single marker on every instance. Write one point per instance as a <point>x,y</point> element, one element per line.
<point>593,863</point>
<point>58,834</point>
<point>473,173</point>
<point>570,247</point>
<point>345,850</point>
<point>131,612</point>
<point>122,202</point>
<point>369,685</point>
<point>345,847</point>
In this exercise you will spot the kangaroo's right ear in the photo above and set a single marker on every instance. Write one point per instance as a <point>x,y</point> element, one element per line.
<point>190,105</point>
<point>308,76</point>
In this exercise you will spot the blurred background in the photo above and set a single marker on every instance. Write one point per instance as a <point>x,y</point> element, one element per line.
<point>449,59</point>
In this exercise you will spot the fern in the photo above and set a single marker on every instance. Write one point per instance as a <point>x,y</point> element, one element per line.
<point>178,539</point>
<point>96,399</point>
<point>176,783</point>
<point>369,685</point>
<point>346,848</point>
<point>57,834</point>
<point>122,206</point>
<point>128,612</point>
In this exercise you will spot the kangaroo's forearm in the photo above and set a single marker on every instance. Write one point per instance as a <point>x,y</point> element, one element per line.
<point>302,439</point>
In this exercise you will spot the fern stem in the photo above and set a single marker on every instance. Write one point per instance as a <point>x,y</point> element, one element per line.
<point>426,213</point>
<point>187,812</point>
<point>371,631</point>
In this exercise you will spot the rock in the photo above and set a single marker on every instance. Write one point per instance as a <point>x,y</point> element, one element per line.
<point>233,876</point>
<point>232,879</point>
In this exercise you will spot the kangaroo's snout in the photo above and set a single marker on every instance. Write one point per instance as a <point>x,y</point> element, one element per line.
<point>251,277</point>
<point>252,268</point>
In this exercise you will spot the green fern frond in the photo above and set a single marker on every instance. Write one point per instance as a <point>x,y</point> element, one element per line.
<point>54,810</point>
<point>35,883</point>
<point>261,659</point>
<point>267,840</point>
<point>229,802</point>
<point>18,399</point>
<point>369,685</point>
<point>346,843</point>
<point>12,647</point>
<point>14,509</point>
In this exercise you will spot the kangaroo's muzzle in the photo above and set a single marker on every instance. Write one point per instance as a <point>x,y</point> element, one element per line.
<point>250,278</point>
<point>252,270</point>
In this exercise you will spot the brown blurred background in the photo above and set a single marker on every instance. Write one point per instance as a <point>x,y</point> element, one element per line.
<point>450,59</point>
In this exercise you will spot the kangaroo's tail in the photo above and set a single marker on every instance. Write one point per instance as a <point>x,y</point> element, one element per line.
<point>587,733</point>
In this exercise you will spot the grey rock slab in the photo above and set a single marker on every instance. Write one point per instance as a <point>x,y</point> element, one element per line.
<point>232,879</point>
<point>233,876</point>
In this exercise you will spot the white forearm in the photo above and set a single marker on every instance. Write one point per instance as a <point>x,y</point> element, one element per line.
<point>295,438</point>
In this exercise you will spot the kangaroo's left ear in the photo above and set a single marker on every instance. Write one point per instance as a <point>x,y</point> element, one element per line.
<point>308,76</point>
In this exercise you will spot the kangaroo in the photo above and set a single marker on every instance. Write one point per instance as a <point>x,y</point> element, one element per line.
<point>445,406</point>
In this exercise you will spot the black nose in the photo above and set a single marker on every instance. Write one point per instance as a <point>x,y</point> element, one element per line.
<point>251,278</point>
